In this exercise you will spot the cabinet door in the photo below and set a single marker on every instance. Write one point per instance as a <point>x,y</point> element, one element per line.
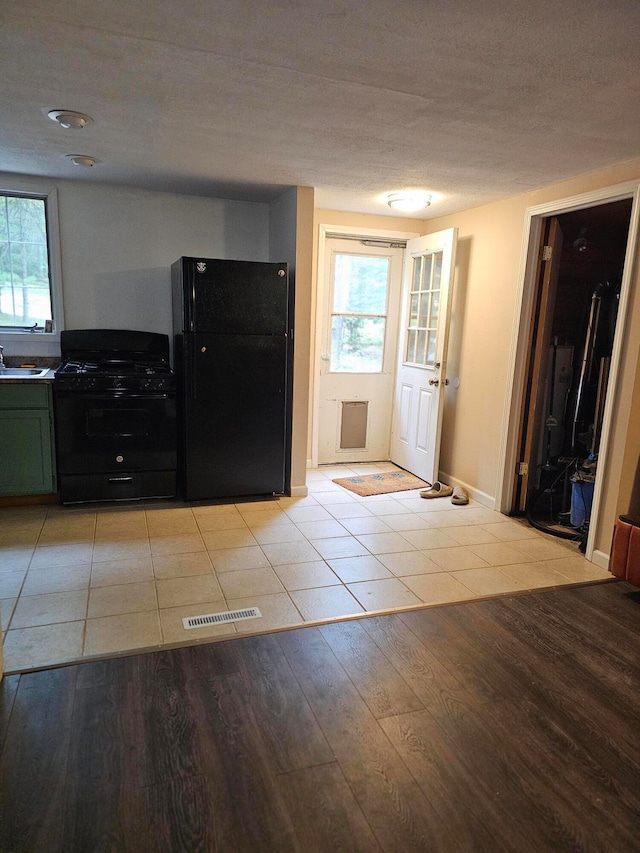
<point>26,465</point>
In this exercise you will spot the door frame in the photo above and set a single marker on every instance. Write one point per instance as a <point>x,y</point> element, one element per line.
<point>616,404</point>
<point>326,230</point>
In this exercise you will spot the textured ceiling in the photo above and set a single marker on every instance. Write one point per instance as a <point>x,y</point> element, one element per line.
<point>473,100</point>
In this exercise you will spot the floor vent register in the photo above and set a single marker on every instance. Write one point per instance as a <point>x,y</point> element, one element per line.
<point>221,618</point>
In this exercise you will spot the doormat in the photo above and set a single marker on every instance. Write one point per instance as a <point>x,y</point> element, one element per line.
<point>381,484</point>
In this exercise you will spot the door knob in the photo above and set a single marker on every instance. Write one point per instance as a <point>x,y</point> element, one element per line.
<point>434,382</point>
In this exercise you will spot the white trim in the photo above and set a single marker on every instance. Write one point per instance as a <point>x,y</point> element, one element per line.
<point>601,560</point>
<point>518,354</point>
<point>42,343</point>
<point>482,497</point>
<point>299,491</point>
<point>326,230</point>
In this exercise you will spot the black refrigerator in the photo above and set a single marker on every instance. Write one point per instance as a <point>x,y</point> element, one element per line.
<point>233,326</point>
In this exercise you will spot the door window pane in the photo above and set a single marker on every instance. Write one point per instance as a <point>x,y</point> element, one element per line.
<point>359,311</point>
<point>424,310</point>
<point>360,284</point>
<point>357,344</point>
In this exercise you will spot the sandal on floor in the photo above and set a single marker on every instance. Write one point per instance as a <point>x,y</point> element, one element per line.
<point>438,490</point>
<point>460,496</point>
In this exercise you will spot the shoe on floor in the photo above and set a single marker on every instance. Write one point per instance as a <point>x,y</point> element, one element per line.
<point>438,490</point>
<point>460,496</point>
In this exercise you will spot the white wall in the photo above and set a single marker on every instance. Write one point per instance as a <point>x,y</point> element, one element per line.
<point>118,243</point>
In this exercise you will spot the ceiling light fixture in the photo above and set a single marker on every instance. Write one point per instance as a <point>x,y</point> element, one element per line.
<point>69,119</point>
<point>409,201</point>
<point>82,160</point>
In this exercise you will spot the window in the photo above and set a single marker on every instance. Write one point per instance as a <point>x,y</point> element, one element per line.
<point>424,309</point>
<point>359,313</point>
<point>27,292</point>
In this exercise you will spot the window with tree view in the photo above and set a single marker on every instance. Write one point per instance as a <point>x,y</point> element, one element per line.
<point>359,313</point>
<point>25,290</point>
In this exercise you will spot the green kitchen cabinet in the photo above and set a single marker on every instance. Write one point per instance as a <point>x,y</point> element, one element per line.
<point>27,463</point>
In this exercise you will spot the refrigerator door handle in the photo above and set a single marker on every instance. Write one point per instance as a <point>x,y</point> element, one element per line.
<point>191,356</point>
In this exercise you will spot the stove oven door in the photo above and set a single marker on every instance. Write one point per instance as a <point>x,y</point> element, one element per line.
<point>114,441</point>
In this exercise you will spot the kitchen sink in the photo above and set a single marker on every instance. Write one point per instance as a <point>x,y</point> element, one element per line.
<point>23,372</point>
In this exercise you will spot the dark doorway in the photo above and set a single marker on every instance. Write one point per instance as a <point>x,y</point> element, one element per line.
<point>571,341</point>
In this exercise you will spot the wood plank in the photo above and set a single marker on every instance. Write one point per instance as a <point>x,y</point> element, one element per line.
<point>247,808</point>
<point>171,747</point>
<point>33,763</point>
<point>585,678</point>
<point>288,727</point>
<point>516,793</point>
<point>392,802</point>
<point>325,812</point>
<point>556,689</point>
<point>517,622</point>
<point>477,671</point>
<point>379,683</point>
<point>601,632</point>
<point>471,786</point>
<point>621,600</point>
<point>8,690</point>
<point>176,816</point>
<point>431,681</point>
<point>106,761</point>
<point>583,789</point>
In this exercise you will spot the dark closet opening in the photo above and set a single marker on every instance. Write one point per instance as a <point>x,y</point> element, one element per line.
<point>572,336</point>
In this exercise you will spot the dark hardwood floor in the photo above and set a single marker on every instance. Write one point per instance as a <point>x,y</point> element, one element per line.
<point>510,724</point>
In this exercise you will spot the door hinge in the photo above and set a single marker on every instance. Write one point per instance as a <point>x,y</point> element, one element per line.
<point>523,469</point>
<point>547,252</point>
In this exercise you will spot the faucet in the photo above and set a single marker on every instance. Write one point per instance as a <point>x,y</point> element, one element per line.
<point>3,366</point>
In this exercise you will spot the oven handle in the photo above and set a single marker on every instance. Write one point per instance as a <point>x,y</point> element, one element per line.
<point>121,479</point>
<point>114,395</point>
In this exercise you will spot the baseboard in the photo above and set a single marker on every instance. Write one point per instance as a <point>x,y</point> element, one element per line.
<point>482,498</point>
<point>601,560</point>
<point>299,491</point>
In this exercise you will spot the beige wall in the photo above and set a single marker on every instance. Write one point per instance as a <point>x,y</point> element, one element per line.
<point>484,314</point>
<point>302,343</point>
<point>290,240</point>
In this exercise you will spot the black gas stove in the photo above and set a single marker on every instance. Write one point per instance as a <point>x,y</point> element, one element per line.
<point>114,374</point>
<point>114,359</point>
<point>115,409</point>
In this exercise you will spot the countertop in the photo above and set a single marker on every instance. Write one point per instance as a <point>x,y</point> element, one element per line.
<point>30,380</point>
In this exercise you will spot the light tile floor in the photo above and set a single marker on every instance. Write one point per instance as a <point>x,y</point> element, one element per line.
<point>98,579</point>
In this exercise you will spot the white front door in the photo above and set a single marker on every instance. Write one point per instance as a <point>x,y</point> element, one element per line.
<point>421,375</point>
<point>360,332</point>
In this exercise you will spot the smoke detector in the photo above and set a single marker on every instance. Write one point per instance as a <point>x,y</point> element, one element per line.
<point>82,160</point>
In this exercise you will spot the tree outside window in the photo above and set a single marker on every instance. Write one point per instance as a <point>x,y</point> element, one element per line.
<point>25,291</point>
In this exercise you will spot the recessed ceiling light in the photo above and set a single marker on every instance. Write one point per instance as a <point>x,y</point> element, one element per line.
<point>82,160</point>
<point>70,120</point>
<point>409,201</point>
